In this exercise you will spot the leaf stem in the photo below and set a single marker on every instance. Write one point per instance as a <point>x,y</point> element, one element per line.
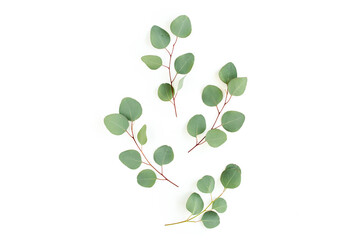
<point>170,77</point>
<point>195,216</point>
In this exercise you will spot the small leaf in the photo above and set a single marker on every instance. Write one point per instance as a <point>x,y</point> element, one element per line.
<point>181,26</point>
<point>130,158</point>
<point>152,61</point>
<point>219,205</point>
<point>237,86</point>
<point>212,95</point>
<point>163,155</point>
<point>159,37</point>
<point>116,123</point>
<point>228,72</point>
<point>206,184</point>
<point>196,125</point>
<point>184,63</point>
<point>210,219</point>
<point>165,92</point>
<point>130,108</point>
<point>232,121</point>
<point>194,204</point>
<point>231,176</point>
<point>215,137</point>
<point>181,83</point>
<point>141,136</point>
<point>146,178</point>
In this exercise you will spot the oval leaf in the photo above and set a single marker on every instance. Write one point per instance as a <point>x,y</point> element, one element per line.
<point>210,219</point>
<point>181,26</point>
<point>219,205</point>
<point>231,176</point>
<point>181,83</point>
<point>196,125</point>
<point>131,159</point>
<point>130,108</point>
<point>146,178</point>
<point>152,61</point>
<point>215,137</point>
<point>206,184</point>
<point>159,37</point>
<point>237,86</point>
<point>165,92</point>
<point>228,72</point>
<point>163,155</point>
<point>184,63</point>
<point>212,95</point>
<point>141,136</point>
<point>232,121</point>
<point>194,204</point>
<point>116,123</point>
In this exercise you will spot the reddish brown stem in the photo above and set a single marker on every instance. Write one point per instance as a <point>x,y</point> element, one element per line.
<point>170,77</point>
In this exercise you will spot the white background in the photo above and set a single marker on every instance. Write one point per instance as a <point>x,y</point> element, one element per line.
<point>64,65</point>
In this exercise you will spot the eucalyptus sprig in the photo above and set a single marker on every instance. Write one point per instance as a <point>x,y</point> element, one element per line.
<point>230,178</point>
<point>212,95</point>
<point>118,123</point>
<point>160,39</point>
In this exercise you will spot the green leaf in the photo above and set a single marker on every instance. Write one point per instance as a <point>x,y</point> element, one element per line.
<point>116,123</point>
<point>219,205</point>
<point>228,72</point>
<point>232,121</point>
<point>184,63</point>
<point>131,159</point>
<point>181,83</point>
<point>146,178</point>
<point>181,26</point>
<point>237,86</point>
<point>210,219</point>
<point>130,108</point>
<point>196,125</point>
<point>206,184</point>
<point>141,136</point>
<point>152,61</point>
<point>159,37</point>
<point>215,137</point>
<point>212,95</point>
<point>231,176</point>
<point>194,204</point>
<point>165,92</point>
<point>163,155</point>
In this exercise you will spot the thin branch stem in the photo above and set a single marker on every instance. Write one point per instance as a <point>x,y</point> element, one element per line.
<point>170,76</point>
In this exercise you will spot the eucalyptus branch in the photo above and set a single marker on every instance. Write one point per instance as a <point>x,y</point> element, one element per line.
<point>160,39</point>
<point>230,178</point>
<point>118,123</point>
<point>231,121</point>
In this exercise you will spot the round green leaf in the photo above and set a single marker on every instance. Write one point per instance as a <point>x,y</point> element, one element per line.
<point>116,123</point>
<point>181,26</point>
<point>163,155</point>
<point>130,108</point>
<point>152,61</point>
<point>130,158</point>
<point>231,176</point>
<point>206,184</point>
<point>141,136</point>
<point>181,83</point>
<point>184,63</point>
<point>232,121</point>
<point>219,205</point>
<point>146,178</point>
<point>194,204</point>
<point>237,86</point>
<point>215,137</point>
<point>212,95</point>
<point>228,72</point>
<point>210,219</point>
<point>196,125</point>
<point>165,92</point>
<point>159,37</point>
